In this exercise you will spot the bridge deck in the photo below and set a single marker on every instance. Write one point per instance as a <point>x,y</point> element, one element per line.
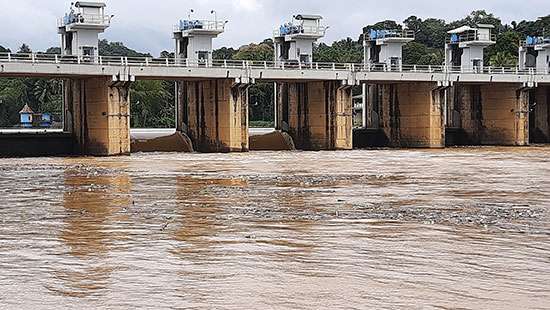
<point>127,69</point>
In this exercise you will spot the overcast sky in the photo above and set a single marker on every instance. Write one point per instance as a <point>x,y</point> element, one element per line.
<point>146,25</point>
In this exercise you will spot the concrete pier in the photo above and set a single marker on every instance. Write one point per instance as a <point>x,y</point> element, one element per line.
<point>317,115</point>
<point>490,114</point>
<point>409,114</point>
<point>539,121</point>
<point>97,113</point>
<point>214,114</point>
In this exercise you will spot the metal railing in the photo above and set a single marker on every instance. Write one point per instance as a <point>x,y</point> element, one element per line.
<point>37,58</point>
<point>209,25</point>
<point>85,19</point>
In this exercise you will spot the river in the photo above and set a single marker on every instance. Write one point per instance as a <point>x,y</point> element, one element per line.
<point>462,228</point>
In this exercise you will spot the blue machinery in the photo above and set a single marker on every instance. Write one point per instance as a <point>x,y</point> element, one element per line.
<point>531,40</point>
<point>382,34</point>
<point>191,24</point>
<point>72,18</point>
<point>290,28</point>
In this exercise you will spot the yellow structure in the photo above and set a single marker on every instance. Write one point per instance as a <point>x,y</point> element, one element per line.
<point>98,114</point>
<point>317,115</point>
<point>214,114</point>
<point>409,114</point>
<point>492,114</point>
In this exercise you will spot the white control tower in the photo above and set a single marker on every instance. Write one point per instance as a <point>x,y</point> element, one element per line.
<point>385,47</point>
<point>194,40</point>
<point>294,41</point>
<point>465,46</point>
<point>80,29</point>
<point>534,53</point>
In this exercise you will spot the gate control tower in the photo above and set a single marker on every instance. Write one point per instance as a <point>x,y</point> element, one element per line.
<point>194,40</point>
<point>465,46</point>
<point>294,41</point>
<point>386,47</point>
<point>80,29</point>
<point>534,53</point>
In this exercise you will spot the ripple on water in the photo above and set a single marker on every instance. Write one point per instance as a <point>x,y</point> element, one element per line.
<point>460,228</point>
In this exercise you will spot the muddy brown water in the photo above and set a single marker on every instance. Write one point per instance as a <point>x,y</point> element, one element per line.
<point>383,229</point>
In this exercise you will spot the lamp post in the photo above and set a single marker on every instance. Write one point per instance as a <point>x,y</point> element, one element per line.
<point>215,16</point>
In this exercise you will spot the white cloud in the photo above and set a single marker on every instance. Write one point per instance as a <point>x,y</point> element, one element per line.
<point>249,5</point>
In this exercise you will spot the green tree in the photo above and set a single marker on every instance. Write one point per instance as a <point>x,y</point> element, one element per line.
<point>12,96</point>
<point>152,104</point>
<point>415,53</point>
<point>166,54</point>
<point>258,52</point>
<point>261,107</point>
<point>224,53</point>
<point>53,50</point>
<point>24,49</point>
<point>383,25</point>
<point>343,51</point>
<point>430,32</point>
<point>107,48</point>
<point>507,43</point>
<point>503,59</point>
<point>540,27</point>
<point>479,17</point>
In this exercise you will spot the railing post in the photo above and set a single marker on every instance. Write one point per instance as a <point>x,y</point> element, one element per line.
<point>56,59</point>
<point>430,68</point>
<point>300,65</point>
<point>9,57</point>
<point>283,65</point>
<point>187,62</point>
<point>33,57</point>
<point>225,63</point>
<point>126,60</point>
<point>147,61</point>
<point>317,65</point>
<point>414,68</point>
<point>265,64</point>
<point>503,71</point>
<point>333,66</point>
<point>352,67</point>
<point>122,61</point>
<point>244,64</point>
<point>167,63</point>
<point>78,59</point>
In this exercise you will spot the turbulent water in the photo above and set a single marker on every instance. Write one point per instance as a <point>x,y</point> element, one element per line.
<point>385,229</point>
